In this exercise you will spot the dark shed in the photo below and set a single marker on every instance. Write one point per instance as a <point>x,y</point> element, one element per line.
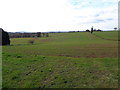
<point>4,37</point>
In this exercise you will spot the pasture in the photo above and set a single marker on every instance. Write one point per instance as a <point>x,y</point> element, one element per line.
<point>63,60</point>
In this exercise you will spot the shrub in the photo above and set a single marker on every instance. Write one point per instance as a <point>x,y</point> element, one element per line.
<point>31,41</point>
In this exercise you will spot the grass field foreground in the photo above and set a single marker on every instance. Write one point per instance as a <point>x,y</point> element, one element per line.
<point>63,60</point>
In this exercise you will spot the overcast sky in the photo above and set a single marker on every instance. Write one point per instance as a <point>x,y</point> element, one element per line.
<point>57,15</point>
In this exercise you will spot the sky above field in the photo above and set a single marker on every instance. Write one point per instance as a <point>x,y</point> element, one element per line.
<point>58,15</point>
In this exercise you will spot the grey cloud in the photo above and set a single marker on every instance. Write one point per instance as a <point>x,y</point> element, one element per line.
<point>99,20</point>
<point>109,19</point>
<point>81,16</point>
<point>93,21</point>
<point>97,15</point>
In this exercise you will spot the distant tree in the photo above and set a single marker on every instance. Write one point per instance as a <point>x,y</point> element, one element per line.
<point>115,28</point>
<point>91,29</point>
<point>87,30</point>
<point>38,34</point>
<point>94,30</point>
<point>99,30</point>
<point>44,34</point>
<point>71,31</point>
<point>47,35</point>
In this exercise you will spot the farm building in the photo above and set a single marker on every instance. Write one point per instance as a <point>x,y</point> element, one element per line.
<point>4,37</point>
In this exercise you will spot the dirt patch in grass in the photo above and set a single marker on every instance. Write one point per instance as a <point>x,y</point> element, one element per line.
<point>92,51</point>
<point>89,56</point>
<point>113,45</point>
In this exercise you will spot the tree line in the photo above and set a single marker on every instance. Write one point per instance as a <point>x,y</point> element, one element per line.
<point>27,35</point>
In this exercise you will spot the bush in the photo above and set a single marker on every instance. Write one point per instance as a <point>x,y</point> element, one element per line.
<point>31,41</point>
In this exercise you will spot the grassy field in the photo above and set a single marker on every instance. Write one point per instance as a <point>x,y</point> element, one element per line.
<point>63,60</point>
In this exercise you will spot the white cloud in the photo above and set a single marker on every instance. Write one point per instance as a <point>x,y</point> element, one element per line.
<point>48,15</point>
<point>100,17</point>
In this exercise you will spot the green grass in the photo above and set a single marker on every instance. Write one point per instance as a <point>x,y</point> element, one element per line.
<point>57,72</point>
<point>63,60</point>
<point>81,44</point>
<point>108,34</point>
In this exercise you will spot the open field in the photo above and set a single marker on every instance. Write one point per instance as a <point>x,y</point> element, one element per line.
<point>63,60</point>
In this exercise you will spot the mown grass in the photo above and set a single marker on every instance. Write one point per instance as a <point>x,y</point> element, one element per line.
<point>63,60</point>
